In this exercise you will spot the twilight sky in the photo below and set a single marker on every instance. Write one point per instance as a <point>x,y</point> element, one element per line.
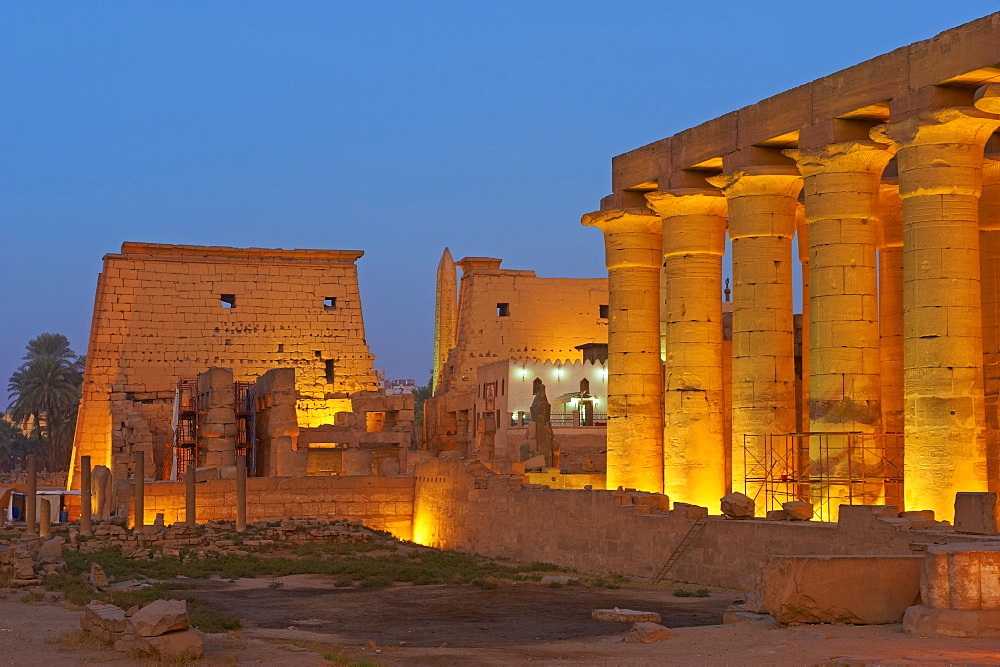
<point>396,128</point>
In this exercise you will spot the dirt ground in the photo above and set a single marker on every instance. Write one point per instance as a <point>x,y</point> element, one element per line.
<point>447,625</point>
<point>530,622</point>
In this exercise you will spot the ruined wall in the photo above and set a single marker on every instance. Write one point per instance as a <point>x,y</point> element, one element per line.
<point>586,530</point>
<point>161,313</point>
<point>384,503</point>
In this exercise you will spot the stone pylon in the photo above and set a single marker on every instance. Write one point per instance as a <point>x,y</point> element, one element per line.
<point>445,315</point>
<point>763,206</point>
<point>694,242</point>
<point>940,159</point>
<point>634,252</point>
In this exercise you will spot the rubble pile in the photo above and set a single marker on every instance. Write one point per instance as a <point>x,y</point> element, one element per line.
<point>159,629</point>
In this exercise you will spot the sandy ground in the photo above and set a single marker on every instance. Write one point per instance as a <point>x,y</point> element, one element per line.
<point>464,625</point>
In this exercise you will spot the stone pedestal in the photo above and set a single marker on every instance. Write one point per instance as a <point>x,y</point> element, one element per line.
<point>634,252</point>
<point>960,592</point>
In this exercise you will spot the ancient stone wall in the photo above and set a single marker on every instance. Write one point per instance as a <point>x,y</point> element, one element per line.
<point>587,530</point>
<point>385,503</point>
<point>507,314</point>
<point>163,312</point>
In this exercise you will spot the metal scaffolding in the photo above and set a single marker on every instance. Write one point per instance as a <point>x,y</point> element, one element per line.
<point>245,408</point>
<point>185,426</point>
<point>827,469</point>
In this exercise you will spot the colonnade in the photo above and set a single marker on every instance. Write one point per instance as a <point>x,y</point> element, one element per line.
<point>901,286</point>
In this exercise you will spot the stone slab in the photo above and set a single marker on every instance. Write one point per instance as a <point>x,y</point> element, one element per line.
<point>840,589</point>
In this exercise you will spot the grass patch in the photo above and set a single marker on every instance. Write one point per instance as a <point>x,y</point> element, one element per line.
<point>343,659</point>
<point>420,567</point>
<point>79,638</point>
<point>700,593</point>
<point>33,598</point>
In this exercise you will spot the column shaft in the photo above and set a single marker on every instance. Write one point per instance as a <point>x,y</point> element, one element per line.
<point>241,492</point>
<point>989,263</point>
<point>139,471</point>
<point>890,322</point>
<point>633,246</point>
<point>762,210</point>
<point>694,242</point>
<point>85,496</point>
<point>30,515</point>
<point>940,157</point>
<point>190,480</point>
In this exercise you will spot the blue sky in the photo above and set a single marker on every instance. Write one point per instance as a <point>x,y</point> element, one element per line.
<point>396,128</point>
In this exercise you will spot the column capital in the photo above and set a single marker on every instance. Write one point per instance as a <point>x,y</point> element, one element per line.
<point>687,201</point>
<point>988,98</point>
<point>849,156</point>
<point>953,125</point>
<point>632,238</point>
<point>623,220</point>
<point>771,180</point>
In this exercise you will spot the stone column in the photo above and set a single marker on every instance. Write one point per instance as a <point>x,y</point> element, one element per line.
<point>841,184</point>
<point>30,517</point>
<point>634,251</point>
<point>989,263</point>
<point>762,209</point>
<point>802,246</point>
<point>190,479</point>
<point>139,473</point>
<point>842,187</point>
<point>45,518</point>
<point>241,492</point>
<point>890,322</point>
<point>940,158</point>
<point>890,271</point>
<point>86,513</point>
<point>694,242</point>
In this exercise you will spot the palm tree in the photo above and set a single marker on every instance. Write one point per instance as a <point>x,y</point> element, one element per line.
<point>45,392</point>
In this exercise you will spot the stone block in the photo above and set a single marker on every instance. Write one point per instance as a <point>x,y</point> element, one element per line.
<point>173,646</point>
<point>736,505</point>
<point>648,633</point>
<point>860,515</point>
<point>798,510</point>
<point>160,617</point>
<point>688,511</point>
<point>840,589</point>
<point>927,622</point>
<point>977,513</point>
<point>777,515</point>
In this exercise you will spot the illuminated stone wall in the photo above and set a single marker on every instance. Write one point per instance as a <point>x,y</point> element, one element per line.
<point>591,531</point>
<point>384,503</point>
<point>161,314</point>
